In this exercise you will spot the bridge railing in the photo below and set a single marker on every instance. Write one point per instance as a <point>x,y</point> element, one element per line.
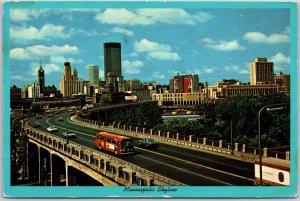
<point>111,166</point>
<point>237,149</point>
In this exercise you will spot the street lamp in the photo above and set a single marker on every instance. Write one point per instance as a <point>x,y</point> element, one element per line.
<point>269,108</point>
<point>98,115</point>
<point>67,121</point>
<point>231,140</point>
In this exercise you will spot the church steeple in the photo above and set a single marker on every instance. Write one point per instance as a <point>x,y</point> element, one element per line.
<point>41,79</point>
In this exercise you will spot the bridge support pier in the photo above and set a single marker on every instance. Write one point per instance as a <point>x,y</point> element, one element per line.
<point>39,159</point>
<point>51,171</point>
<point>132,177</point>
<point>67,175</point>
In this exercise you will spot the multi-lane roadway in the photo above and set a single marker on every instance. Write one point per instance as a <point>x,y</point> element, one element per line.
<point>190,167</point>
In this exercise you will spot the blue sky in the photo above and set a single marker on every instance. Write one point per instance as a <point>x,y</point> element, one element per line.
<point>156,44</point>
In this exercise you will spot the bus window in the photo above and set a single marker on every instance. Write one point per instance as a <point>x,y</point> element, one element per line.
<point>108,140</point>
<point>114,142</point>
<point>102,138</point>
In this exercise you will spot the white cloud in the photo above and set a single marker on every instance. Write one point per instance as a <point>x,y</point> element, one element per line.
<point>148,46</point>
<point>203,16</point>
<point>149,16</point>
<point>207,40</point>
<point>280,58</point>
<point>156,50</point>
<point>134,54</point>
<point>244,71</point>
<point>38,51</point>
<point>258,37</point>
<point>61,60</point>
<point>31,14</point>
<point>132,67</point>
<point>174,16</point>
<point>26,14</point>
<point>122,16</point>
<point>158,75</point>
<point>46,32</point>
<point>208,70</point>
<point>19,78</point>
<point>236,69</point>
<point>165,56</point>
<point>222,45</point>
<point>232,68</point>
<point>194,71</point>
<point>84,32</point>
<point>48,68</point>
<point>126,32</point>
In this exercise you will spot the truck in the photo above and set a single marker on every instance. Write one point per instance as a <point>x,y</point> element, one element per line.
<point>147,142</point>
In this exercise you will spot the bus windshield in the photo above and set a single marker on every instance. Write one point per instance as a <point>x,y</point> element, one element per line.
<point>127,143</point>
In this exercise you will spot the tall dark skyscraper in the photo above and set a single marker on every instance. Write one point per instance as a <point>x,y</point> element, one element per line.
<point>41,80</point>
<point>112,59</point>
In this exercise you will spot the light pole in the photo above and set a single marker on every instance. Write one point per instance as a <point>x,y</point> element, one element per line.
<point>231,140</point>
<point>269,108</point>
<point>98,115</point>
<point>67,121</point>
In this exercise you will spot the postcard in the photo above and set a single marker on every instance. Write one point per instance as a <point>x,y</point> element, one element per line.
<point>150,99</point>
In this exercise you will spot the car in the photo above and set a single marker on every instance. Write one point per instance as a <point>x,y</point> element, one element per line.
<point>147,142</point>
<point>60,119</point>
<point>69,134</point>
<point>52,129</point>
<point>36,124</point>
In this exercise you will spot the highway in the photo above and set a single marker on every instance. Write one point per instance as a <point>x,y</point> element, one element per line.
<point>191,167</point>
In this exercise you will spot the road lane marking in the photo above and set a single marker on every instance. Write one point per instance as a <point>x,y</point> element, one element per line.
<point>178,159</point>
<point>47,121</point>
<point>190,172</point>
<point>196,164</point>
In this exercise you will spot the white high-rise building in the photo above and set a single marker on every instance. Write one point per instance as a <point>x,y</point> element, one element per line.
<point>34,91</point>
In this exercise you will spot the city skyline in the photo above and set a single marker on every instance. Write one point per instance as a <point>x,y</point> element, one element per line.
<point>215,44</point>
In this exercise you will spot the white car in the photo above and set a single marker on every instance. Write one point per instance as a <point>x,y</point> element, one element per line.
<point>69,134</point>
<point>52,129</point>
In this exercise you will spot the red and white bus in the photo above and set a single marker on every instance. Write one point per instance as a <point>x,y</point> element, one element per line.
<point>114,143</point>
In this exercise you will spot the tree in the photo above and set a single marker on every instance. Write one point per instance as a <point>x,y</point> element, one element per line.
<point>147,115</point>
<point>104,100</point>
<point>182,126</point>
<point>242,111</point>
<point>17,151</point>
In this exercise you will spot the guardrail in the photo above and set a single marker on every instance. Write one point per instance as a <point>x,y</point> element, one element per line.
<point>236,150</point>
<point>122,172</point>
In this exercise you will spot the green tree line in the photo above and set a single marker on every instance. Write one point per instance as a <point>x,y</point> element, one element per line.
<point>217,117</point>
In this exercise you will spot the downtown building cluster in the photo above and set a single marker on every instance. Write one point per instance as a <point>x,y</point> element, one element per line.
<point>182,89</point>
<point>185,91</point>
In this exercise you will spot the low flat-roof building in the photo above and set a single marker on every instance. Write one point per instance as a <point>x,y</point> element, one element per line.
<point>195,98</point>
